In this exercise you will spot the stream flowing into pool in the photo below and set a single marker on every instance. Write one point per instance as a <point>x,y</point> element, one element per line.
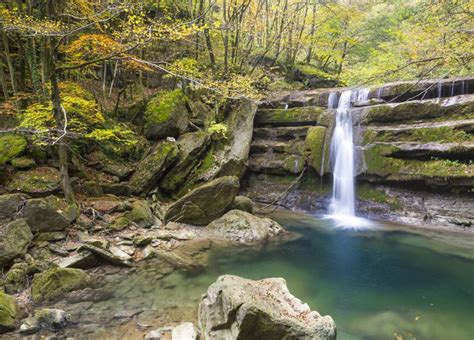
<point>389,281</point>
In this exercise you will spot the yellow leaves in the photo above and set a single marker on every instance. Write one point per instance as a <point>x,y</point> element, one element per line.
<point>15,22</point>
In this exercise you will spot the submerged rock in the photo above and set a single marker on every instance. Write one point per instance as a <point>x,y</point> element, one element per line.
<point>54,282</point>
<point>205,203</point>
<point>237,308</point>
<point>8,312</point>
<point>241,227</point>
<point>14,240</point>
<point>52,319</point>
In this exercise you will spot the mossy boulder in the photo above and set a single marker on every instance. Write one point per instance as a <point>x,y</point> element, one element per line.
<point>151,168</point>
<point>16,279</point>
<point>48,214</point>
<point>23,163</point>
<point>55,282</point>
<point>166,115</point>
<point>10,205</point>
<point>205,203</point>
<point>11,146</point>
<point>317,149</point>
<point>289,117</point>
<point>8,312</point>
<point>14,240</point>
<point>39,181</point>
<point>141,214</point>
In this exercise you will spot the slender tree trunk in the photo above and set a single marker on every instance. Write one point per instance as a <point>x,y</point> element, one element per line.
<point>4,83</point>
<point>11,70</point>
<point>309,54</point>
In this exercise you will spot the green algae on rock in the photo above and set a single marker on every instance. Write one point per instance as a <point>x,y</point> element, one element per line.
<point>55,282</point>
<point>317,148</point>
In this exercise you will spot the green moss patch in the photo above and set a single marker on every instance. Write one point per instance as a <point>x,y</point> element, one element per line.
<point>41,180</point>
<point>55,282</point>
<point>8,311</point>
<point>315,147</point>
<point>369,193</point>
<point>293,116</point>
<point>11,146</point>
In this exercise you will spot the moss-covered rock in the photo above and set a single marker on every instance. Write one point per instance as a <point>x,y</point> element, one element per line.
<point>192,148</point>
<point>316,148</point>
<point>153,166</point>
<point>55,282</point>
<point>8,312</point>
<point>16,279</point>
<point>166,115</point>
<point>294,116</point>
<point>242,203</point>
<point>23,163</point>
<point>11,146</point>
<point>48,214</point>
<point>205,203</point>
<point>141,214</point>
<point>402,112</point>
<point>14,240</point>
<point>10,205</point>
<point>39,181</point>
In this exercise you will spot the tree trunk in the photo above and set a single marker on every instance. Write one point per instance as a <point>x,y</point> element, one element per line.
<point>11,70</point>
<point>3,82</point>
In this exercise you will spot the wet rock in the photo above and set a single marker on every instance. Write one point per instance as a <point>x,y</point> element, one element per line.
<point>141,214</point>
<point>151,168</point>
<point>55,282</point>
<point>242,203</point>
<point>204,203</point>
<point>52,319</point>
<point>39,181</point>
<point>29,326</point>
<point>10,205</point>
<point>237,308</point>
<point>8,312</point>
<point>317,149</point>
<point>14,240</point>
<point>48,214</point>
<point>241,227</point>
<point>185,331</point>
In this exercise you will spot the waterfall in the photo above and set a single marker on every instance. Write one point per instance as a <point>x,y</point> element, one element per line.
<point>342,206</point>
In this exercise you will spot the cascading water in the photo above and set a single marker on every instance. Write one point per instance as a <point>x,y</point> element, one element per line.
<point>342,207</point>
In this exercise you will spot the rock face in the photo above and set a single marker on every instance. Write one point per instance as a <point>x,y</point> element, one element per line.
<point>237,308</point>
<point>240,227</point>
<point>14,240</point>
<point>8,312</point>
<point>205,203</point>
<point>54,282</point>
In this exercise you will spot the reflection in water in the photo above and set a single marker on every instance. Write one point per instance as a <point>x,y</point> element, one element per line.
<point>375,284</point>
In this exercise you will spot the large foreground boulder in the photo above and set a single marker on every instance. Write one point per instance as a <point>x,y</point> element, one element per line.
<point>241,227</point>
<point>55,282</point>
<point>8,312</point>
<point>205,203</point>
<point>237,308</point>
<point>14,240</point>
